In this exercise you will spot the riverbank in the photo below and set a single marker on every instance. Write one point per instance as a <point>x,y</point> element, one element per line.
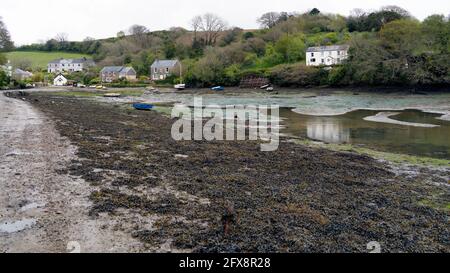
<point>228,196</point>
<point>42,209</point>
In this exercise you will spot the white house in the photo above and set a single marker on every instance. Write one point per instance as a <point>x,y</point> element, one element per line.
<point>326,55</point>
<point>69,65</point>
<point>60,80</point>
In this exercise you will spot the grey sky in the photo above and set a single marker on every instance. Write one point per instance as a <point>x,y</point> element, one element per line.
<point>31,21</point>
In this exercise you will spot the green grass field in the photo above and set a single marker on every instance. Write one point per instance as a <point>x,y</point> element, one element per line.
<point>39,60</point>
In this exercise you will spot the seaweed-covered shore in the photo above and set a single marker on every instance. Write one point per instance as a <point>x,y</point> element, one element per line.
<point>230,197</point>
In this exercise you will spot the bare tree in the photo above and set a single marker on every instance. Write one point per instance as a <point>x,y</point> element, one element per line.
<point>210,25</point>
<point>140,35</point>
<point>62,37</point>
<point>138,30</point>
<point>401,11</point>
<point>269,19</point>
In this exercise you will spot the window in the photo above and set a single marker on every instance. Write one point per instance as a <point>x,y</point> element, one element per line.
<point>313,60</point>
<point>312,54</point>
<point>167,70</point>
<point>338,60</point>
<point>323,61</point>
<point>156,70</point>
<point>339,53</point>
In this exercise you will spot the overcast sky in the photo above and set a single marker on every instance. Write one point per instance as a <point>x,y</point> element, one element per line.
<point>33,21</point>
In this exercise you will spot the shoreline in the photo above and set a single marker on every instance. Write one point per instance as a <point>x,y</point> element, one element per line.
<point>314,195</point>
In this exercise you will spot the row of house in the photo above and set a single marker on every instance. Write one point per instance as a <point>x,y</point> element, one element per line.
<point>69,65</point>
<point>161,69</point>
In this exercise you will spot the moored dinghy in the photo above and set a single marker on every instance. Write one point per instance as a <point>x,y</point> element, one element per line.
<point>111,95</point>
<point>218,88</point>
<point>180,86</point>
<point>143,106</point>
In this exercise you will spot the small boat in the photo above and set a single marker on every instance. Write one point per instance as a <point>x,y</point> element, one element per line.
<point>180,86</point>
<point>270,89</point>
<point>265,86</point>
<point>143,106</point>
<point>218,88</point>
<point>111,95</point>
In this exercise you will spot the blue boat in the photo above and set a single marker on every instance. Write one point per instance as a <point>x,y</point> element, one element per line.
<point>142,106</point>
<point>218,88</point>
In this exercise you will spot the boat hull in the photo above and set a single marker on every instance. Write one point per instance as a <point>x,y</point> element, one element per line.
<point>142,106</point>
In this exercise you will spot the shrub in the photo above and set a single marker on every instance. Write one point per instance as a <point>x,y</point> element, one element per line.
<point>295,75</point>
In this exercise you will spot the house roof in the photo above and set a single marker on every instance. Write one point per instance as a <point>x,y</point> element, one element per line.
<point>72,61</point>
<point>108,69</point>
<point>22,72</point>
<point>60,76</point>
<point>164,63</point>
<point>117,69</point>
<point>328,48</point>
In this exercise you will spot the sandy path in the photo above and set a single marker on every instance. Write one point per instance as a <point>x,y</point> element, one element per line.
<point>40,210</point>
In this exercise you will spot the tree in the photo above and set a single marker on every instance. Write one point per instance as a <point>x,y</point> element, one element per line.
<point>231,36</point>
<point>314,11</point>
<point>62,37</point>
<point>436,30</point>
<point>140,35</point>
<point>210,26</point>
<point>5,38</point>
<point>269,19</point>
<point>120,34</point>
<point>138,30</point>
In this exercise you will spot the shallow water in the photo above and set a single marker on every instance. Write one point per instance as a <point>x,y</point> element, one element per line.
<point>351,128</point>
<point>334,117</point>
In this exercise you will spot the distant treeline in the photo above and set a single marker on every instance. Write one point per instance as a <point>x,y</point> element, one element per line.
<point>387,47</point>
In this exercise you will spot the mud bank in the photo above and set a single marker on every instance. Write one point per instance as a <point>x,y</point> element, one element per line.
<point>231,197</point>
<point>385,117</point>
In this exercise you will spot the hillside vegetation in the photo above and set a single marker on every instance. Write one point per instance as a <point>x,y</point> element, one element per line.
<point>38,60</point>
<point>387,47</point>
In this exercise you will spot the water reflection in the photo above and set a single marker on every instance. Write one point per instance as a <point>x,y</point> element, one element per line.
<point>327,130</point>
<point>352,128</point>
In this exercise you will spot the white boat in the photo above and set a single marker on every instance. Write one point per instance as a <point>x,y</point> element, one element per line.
<point>180,86</point>
<point>111,95</point>
<point>270,89</point>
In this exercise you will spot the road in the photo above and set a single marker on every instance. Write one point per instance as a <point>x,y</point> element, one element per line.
<point>41,210</point>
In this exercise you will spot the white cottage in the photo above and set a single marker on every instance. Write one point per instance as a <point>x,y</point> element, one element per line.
<point>60,80</point>
<point>326,55</point>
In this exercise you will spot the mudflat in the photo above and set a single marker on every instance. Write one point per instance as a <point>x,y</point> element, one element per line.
<point>227,196</point>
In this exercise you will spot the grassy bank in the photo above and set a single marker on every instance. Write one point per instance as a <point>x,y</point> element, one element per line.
<point>39,60</point>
